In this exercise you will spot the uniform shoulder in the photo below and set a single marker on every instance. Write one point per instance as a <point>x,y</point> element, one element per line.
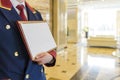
<point>31,8</point>
<point>5,4</point>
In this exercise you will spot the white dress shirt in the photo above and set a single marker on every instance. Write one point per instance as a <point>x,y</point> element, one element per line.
<point>15,3</point>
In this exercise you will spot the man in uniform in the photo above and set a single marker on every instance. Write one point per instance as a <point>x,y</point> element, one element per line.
<point>15,63</point>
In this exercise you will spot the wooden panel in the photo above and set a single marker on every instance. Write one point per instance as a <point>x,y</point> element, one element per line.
<point>60,23</point>
<point>73,25</point>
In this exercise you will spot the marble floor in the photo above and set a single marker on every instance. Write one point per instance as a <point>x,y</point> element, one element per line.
<point>79,62</point>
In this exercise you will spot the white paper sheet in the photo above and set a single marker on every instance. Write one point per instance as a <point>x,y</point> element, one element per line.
<point>38,37</point>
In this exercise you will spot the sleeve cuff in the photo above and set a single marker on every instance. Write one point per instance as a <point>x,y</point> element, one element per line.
<point>53,61</point>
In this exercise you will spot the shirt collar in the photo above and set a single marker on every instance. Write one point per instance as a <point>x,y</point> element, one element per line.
<point>15,3</point>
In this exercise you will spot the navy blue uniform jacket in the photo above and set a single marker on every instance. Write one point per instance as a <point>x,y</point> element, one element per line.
<point>14,61</point>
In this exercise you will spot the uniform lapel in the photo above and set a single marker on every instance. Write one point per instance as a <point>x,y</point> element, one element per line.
<point>31,15</point>
<point>8,11</point>
<point>11,15</point>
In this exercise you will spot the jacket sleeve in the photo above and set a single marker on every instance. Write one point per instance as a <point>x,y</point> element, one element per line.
<point>53,61</point>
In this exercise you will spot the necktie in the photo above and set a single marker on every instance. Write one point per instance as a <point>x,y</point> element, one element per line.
<point>21,9</point>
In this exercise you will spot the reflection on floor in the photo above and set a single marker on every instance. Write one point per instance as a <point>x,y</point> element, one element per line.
<point>78,62</point>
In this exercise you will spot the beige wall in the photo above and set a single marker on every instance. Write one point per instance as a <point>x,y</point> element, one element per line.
<point>118,24</point>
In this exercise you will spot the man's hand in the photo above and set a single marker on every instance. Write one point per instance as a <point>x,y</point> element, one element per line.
<point>43,58</point>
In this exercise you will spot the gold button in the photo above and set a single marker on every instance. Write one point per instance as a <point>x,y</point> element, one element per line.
<point>27,76</point>
<point>7,27</point>
<point>16,54</point>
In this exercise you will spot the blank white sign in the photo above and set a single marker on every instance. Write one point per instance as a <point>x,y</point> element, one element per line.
<point>38,37</point>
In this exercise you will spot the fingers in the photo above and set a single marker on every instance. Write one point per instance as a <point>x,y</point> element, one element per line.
<point>39,60</point>
<point>43,58</point>
<point>40,55</point>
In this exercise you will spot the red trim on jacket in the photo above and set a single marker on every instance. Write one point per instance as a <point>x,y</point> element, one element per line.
<point>6,4</point>
<point>30,7</point>
<point>53,53</point>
